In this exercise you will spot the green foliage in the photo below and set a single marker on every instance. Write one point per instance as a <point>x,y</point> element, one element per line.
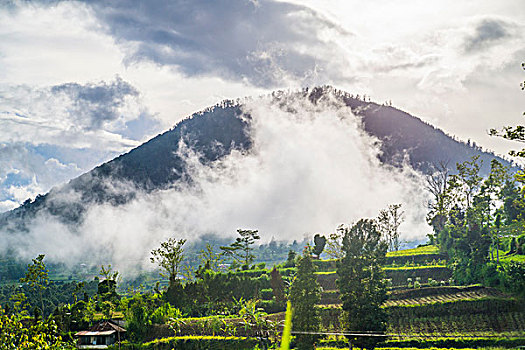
<point>388,223</point>
<point>169,257</point>
<point>54,295</point>
<point>141,311</point>
<point>241,250</point>
<point>305,293</point>
<point>361,281</point>
<point>37,278</point>
<point>478,211</point>
<point>290,261</point>
<point>165,313</point>
<point>271,306</point>
<point>266,294</point>
<point>515,278</point>
<point>278,286</point>
<point>334,244</point>
<point>209,260</point>
<point>39,335</point>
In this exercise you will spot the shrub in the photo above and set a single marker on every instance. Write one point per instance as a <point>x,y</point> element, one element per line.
<point>266,294</point>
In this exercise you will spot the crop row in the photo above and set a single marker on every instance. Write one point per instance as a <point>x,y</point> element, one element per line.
<point>398,276</point>
<point>473,315</point>
<point>442,290</point>
<point>457,308</point>
<point>478,293</point>
<point>444,343</point>
<point>473,324</point>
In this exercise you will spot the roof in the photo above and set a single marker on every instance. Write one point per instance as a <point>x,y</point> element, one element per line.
<point>107,326</point>
<point>90,333</point>
<point>101,328</point>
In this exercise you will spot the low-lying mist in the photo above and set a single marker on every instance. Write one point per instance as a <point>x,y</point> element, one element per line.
<point>311,168</point>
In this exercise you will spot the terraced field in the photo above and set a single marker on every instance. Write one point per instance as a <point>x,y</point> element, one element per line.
<point>442,295</point>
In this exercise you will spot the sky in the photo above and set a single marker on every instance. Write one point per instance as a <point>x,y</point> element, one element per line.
<point>84,81</point>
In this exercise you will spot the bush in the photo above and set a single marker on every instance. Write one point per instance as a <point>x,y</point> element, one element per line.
<point>266,294</point>
<point>271,306</point>
<point>515,278</point>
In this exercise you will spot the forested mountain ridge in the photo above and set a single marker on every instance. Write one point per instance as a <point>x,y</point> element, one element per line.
<point>214,133</point>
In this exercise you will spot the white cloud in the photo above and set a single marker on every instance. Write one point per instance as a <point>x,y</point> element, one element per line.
<point>311,168</point>
<point>25,173</point>
<point>79,116</point>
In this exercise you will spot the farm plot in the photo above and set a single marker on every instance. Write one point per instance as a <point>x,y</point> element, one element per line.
<point>441,295</point>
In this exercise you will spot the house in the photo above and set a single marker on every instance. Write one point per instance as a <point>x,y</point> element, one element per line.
<point>100,336</point>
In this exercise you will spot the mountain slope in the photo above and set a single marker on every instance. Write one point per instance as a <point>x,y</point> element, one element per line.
<point>214,133</point>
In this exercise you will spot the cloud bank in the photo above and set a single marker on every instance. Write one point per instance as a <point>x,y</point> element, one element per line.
<point>262,42</point>
<point>312,167</point>
<point>52,134</point>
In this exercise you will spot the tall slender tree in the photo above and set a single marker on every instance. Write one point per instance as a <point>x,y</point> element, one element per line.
<point>362,283</point>
<point>169,257</point>
<point>389,221</point>
<point>305,293</point>
<point>37,278</point>
<point>241,250</point>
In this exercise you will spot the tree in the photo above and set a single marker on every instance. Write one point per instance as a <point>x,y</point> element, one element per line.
<point>278,287</point>
<point>290,261</point>
<point>334,244</point>
<point>37,278</point>
<point>209,258</point>
<point>209,261</point>
<point>389,221</point>
<point>40,335</point>
<point>319,243</point>
<point>466,182</point>
<point>437,185</point>
<point>361,281</point>
<point>107,296</point>
<point>516,133</point>
<point>305,293</point>
<point>241,250</point>
<point>169,257</point>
